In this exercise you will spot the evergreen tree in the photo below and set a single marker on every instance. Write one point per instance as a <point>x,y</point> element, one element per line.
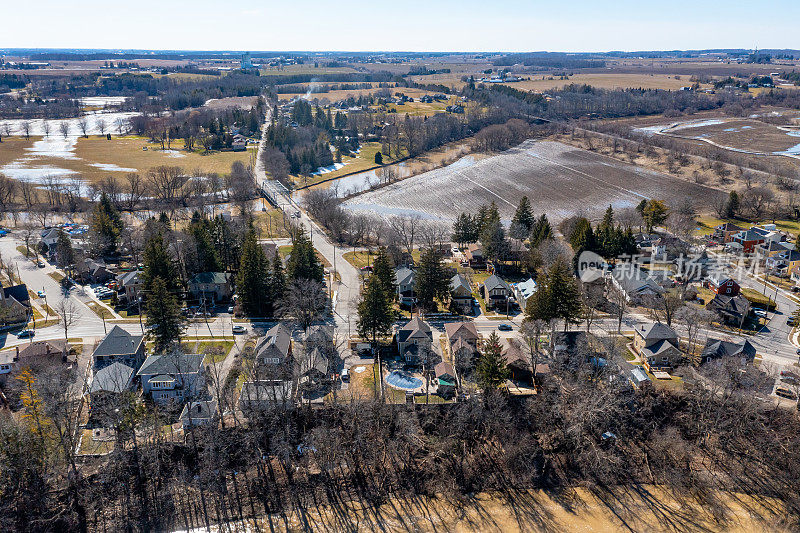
<point>65,253</point>
<point>432,281</point>
<point>378,158</point>
<point>558,296</point>
<point>158,264</point>
<point>541,231</point>
<point>165,324</point>
<point>608,220</point>
<point>491,369</point>
<point>303,261</point>
<point>383,273</point>
<point>732,205</point>
<point>277,280</point>
<point>375,313</point>
<point>522,223</point>
<point>206,252</point>
<point>105,227</point>
<point>253,279</point>
<point>493,239</point>
<point>464,229</point>
<point>582,237</point>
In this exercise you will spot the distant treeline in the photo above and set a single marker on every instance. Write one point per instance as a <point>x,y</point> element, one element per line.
<point>548,60</point>
<point>423,70</point>
<point>328,87</point>
<point>13,81</point>
<point>340,77</point>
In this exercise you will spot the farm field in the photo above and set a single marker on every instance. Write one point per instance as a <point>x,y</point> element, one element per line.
<point>95,158</point>
<point>748,135</point>
<point>610,80</point>
<point>558,179</point>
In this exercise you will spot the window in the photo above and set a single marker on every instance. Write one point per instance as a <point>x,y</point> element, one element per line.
<point>4,367</point>
<point>664,359</point>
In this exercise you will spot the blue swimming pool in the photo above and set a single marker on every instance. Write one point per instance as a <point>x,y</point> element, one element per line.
<point>403,380</point>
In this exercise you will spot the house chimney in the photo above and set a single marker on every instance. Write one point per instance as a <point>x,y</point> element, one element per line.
<point>16,355</point>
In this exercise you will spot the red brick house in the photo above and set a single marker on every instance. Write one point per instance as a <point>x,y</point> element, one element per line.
<point>723,285</point>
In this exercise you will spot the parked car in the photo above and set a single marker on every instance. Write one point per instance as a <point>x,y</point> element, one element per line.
<point>26,333</point>
<point>40,263</point>
<point>41,294</point>
<point>791,321</point>
<point>761,313</point>
<point>345,376</point>
<point>238,328</point>
<point>785,393</point>
<point>505,327</point>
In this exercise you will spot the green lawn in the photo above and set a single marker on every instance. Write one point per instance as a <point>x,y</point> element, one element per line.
<point>364,160</point>
<point>758,299</point>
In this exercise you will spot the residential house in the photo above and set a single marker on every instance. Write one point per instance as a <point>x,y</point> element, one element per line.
<point>496,292</point>
<point>239,143</point>
<point>474,256</point>
<point>200,413</point>
<point>462,337</point>
<point>658,346</point>
<point>723,285</point>
<point>644,241</point>
<point>211,287</point>
<point>273,352</point>
<point>634,284</point>
<point>261,395</point>
<point>524,290</point>
<point>130,284</point>
<point>461,294</point>
<point>445,379</point>
<point>516,250</point>
<point>119,346</point>
<point>8,363</point>
<point>173,377</point>
<point>732,310</point>
<point>15,304</point>
<point>716,349</point>
<point>782,263</point>
<point>414,338</point>
<point>114,378</point>
<point>405,279</point>
<point>518,364</point>
<point>315,364</point>
<point>769,249</point>
<point>748,240</point>
<point>724,233</point>
<point>48,244</point>
<point>93,271</point>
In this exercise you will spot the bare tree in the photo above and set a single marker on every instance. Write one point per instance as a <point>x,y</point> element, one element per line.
<point>83,125</point>
<point>63,127</point>
<point>693,319</point>
<point>135,190</point>
<point>25,126</point>
<point>46,127</point>
<point>406,228</point>
<point>68,313</point>
<point>122,126</point>
<point>101,126</point>
<point>620,301</point>
<point>306,301</point>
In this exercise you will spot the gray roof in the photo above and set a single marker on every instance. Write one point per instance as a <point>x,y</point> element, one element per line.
<point>412,327</point>
<point>495,282</point>
<point>658,348</point>
<point>276,340</point>
<point>203,409</point>
<point>171,364</point>
<point>129,278</point>
<point>460,282</point>
<point>113,378</point>
<point>638,375</point>
<point>715,348</point>
<point>656,331</point>
<point>314,360</point>
<point>404,276</point>
<point>273,391</point>
<point>633,280</point>
<point>217,278</point>
<point>18,292</point>
<point>118,342</point>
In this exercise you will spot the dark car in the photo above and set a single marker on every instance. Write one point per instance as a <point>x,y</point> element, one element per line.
<point>26,333</point>
<point>505,327</point>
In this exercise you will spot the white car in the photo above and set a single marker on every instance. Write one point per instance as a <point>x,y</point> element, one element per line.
<point>761,313</point>
<point>239,328</point>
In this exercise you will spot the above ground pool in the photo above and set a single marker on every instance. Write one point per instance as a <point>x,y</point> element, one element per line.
<point>403,380</point>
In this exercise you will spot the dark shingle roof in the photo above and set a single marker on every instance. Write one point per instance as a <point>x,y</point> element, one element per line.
<point>18,292</point>
<point>119,342</point>
<point>494,282</point>
<point>202,409</point>
<point>715,348</point>
<point>218,278</point>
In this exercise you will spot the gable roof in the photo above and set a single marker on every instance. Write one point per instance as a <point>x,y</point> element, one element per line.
<point>719,348</point>
<point>118,342</point>
<point>129,278</point>
<point>171,364</point>
<point>461,330</point>
<point>527,288</point>
<point>444,368</point>
<point>277,339</point>
<point>115,377</point>
<point>404,276</point>
<point>216,278</point>
<point>512,353</point>
<point>633,281</point>
<point>413,328</point>
<point>731,304</point>
<point>314,360</point>
<point>656,331</point>
<point>495,282</point>
<point>728,226</point>
<point>42,348</point>
<point>18,292</point>
<point>459,283</point>
<point>203,409</point>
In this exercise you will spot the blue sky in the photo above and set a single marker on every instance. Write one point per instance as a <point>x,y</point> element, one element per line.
<point>406,25</point>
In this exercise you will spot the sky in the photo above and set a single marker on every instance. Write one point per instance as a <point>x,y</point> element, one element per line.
<point>401,25</point>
